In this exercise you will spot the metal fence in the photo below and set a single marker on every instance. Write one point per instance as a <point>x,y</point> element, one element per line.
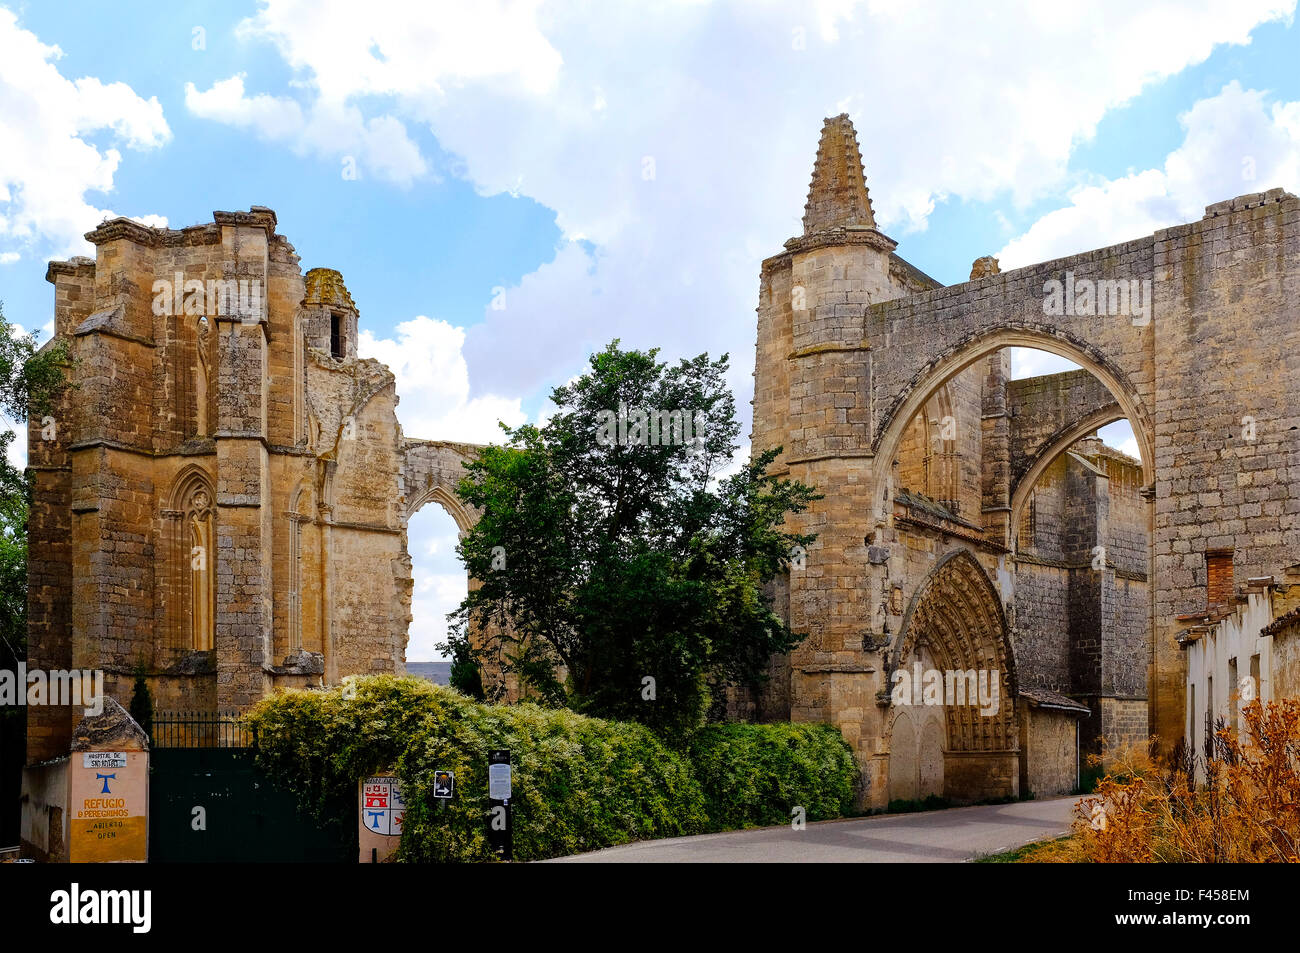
<point>200,729</point>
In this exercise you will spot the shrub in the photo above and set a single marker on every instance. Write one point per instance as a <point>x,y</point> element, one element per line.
<point>321,743</point>
<point>579,783</point>
<point>1246,810</point>
<point>755,775</point>
<point>142,704</point>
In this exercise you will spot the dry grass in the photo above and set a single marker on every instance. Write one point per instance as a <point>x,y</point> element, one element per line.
<point>1246,808</point>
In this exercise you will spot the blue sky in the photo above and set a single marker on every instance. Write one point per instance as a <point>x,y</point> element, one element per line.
<point>533,180</point>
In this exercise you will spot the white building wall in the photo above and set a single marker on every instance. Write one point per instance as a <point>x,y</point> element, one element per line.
<point>1210,682</point>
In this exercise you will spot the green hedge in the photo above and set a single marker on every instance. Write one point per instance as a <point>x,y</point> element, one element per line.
<point>756,775</point>
<point>579,783</point>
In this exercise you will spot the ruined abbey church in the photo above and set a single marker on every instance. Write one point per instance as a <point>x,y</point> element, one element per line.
<point>973,522</point>
<point>220,502</point>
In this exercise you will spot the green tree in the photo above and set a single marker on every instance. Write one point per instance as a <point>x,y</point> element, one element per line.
<point>464,676</point>
<point>621,574</point>
<point>29,381</point>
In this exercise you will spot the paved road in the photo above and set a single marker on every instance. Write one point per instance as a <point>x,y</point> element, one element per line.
<point>951,836</point>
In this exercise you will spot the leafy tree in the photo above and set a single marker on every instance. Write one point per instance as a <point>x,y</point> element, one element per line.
<point>465,676</point>
<point>28,382</point>
<point>621,574</point>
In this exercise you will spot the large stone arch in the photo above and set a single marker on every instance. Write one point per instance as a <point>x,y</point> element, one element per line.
<point>957,617</point>
<point>430,474</point>
<point>909,398</point>
<point>1066,438</point>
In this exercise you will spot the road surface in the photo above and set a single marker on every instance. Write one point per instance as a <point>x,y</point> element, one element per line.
<point>951,836</point>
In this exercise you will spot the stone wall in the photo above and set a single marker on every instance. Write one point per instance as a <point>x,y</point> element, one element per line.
<point>849,357</point>
<point>221,500</point>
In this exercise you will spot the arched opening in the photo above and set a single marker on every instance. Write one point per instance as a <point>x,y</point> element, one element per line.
<point>1048,479</point>
<point>992,353</point>
<point>952,684</point>
<point>439,581</point>
<point>1081,544</point>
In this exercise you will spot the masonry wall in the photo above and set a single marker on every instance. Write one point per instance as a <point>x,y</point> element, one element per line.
<point>221,419</point>
<point>1043,407</point>
<point>1225,298</point>
<point>1041,626</point>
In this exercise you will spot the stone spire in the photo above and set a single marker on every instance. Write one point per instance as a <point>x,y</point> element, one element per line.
<point>837,196</point>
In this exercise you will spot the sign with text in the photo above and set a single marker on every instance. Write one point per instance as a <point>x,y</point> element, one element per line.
<point>382,805</point>
<point>500,828</point>
<point>499,782</point>
<point>108,806</point>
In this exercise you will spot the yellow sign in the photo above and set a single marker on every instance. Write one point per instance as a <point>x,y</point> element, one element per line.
<point>108,806</point>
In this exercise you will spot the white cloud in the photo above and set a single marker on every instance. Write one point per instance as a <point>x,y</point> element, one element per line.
<point>435,403</point>
<point>1235,142</point>
<point>1120,436</point>
<point>48,163</point>
<point>382,49</point>
<point>433,384</point>
<point>379,145</point>
<point>440,581</point>
<point>564,103</point>
<point>1031,362</point>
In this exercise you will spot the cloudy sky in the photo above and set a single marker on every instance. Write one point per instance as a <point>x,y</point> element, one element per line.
<point>508,186</point>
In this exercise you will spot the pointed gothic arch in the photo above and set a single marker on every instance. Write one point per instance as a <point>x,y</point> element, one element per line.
<point>956,623</point>
<point>191,513</point>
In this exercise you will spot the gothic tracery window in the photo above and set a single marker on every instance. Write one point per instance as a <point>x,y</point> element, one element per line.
<point>191,612</point>
<point>199,520</point>
<point>201,379</point>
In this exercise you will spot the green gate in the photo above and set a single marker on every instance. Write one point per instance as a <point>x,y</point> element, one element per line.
<point>209,802</point>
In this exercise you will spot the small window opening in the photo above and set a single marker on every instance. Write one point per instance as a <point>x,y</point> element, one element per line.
<point>336,335</point>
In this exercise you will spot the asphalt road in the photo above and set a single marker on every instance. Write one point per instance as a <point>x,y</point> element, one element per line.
<point>951,836</point>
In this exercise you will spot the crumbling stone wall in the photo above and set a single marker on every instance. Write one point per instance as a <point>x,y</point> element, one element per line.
<point>220,499</point>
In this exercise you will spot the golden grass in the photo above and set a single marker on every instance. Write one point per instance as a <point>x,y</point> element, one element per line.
<point>1245,808</point>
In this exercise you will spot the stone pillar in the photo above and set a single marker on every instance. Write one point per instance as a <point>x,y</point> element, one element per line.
<point>111,444</point>
<point>995,439</point>
<point>49,521</point>
<point>243,524</point>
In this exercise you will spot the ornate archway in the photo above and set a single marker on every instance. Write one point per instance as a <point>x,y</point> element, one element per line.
<point>954,652</point>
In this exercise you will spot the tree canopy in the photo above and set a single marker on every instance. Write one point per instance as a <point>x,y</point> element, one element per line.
<point>622,551</point>
<point>29,379</point>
